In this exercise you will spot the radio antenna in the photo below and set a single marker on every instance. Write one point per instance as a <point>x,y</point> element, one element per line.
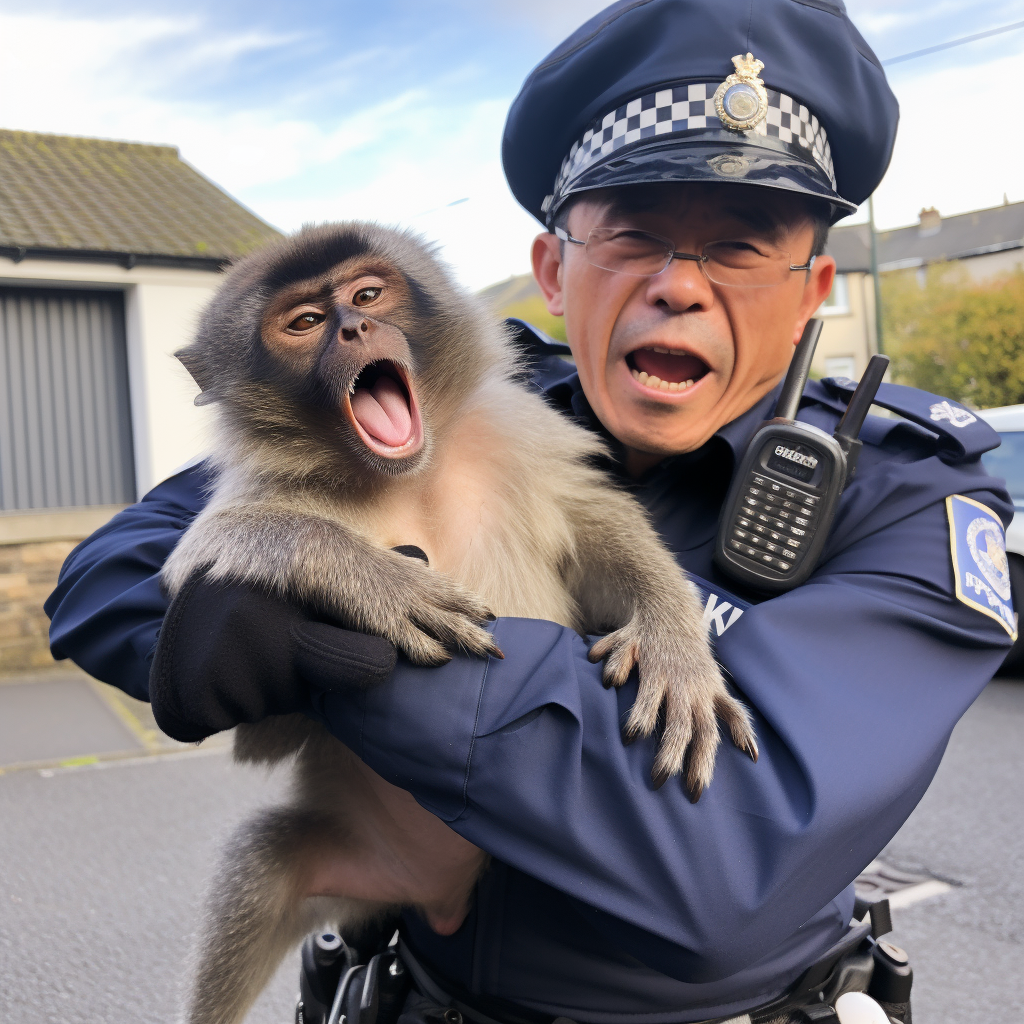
<point>799,370</point>
<point>848,431</point>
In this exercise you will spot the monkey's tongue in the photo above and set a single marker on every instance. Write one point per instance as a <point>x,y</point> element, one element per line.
<point>383,412</point>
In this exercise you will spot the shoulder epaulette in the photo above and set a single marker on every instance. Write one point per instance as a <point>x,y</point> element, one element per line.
<point>961,434</point>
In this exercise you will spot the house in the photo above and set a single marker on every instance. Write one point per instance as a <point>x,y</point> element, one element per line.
<point>848,338</point>
<point>108,253</point>
<point>985,243</point>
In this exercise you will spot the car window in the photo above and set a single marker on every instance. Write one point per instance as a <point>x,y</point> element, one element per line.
<point>1007,461</point>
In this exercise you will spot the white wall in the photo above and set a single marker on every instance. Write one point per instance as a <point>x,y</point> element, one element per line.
<point>162,306</point>
<point>849,329</point>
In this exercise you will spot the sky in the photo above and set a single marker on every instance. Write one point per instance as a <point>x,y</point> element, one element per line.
<point>312,110</point>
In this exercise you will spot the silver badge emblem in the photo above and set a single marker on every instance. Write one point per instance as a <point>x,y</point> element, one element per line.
<point>947,411</point>
<point>991,558</point>
<point>741,101</point>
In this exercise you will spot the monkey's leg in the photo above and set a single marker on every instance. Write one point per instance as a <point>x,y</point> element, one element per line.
<point>324,563</point>
<point>625,577</point>
<point>259,910</point>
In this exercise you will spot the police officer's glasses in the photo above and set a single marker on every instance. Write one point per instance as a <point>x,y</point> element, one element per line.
<point>749,264</point>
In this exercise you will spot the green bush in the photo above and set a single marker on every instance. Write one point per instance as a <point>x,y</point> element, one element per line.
<point>956,337</point>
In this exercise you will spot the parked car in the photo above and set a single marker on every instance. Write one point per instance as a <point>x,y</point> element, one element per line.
<point>1007,461</point>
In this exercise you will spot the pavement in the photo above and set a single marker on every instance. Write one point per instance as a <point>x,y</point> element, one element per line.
<point>110,830</point>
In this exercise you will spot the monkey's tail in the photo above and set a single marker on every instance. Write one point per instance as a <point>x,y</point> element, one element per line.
<point>258,911</point>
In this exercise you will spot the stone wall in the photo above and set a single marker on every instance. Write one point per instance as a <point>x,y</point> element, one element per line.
<point>28,572</point>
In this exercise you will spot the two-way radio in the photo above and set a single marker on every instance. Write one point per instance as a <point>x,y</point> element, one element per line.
<point>784,495</point>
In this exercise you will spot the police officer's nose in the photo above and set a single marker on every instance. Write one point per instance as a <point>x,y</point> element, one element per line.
<point>681,287</point>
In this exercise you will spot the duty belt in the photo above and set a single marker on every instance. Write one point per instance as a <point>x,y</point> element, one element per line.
<point>846,967</point>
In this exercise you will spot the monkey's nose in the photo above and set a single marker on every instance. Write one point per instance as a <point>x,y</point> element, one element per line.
<point>351,330</point>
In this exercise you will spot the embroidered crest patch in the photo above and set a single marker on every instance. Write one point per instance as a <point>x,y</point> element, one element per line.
<point>957,416</point>
<point>980,566</point>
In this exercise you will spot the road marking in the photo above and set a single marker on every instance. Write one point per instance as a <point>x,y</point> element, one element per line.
<point>127,762</point>
<point>916,893</point>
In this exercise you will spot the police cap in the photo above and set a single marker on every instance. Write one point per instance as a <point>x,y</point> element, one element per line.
<point>778,93</point>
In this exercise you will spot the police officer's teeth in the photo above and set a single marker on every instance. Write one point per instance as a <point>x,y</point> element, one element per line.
<point>652,381</point>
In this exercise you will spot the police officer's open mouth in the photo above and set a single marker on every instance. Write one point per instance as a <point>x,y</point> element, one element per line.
<point>664,370</point>
<point>382,407</point>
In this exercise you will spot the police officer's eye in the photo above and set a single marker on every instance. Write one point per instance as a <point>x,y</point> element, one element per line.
<point>365,296</point>
<point>739,253</point>
<point>306,321</point>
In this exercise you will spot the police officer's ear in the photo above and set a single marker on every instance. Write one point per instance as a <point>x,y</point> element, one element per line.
<point>816,289</point>
<point>547,269</point>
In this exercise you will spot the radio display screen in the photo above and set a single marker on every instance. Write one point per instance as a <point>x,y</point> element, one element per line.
<point>791,463</point>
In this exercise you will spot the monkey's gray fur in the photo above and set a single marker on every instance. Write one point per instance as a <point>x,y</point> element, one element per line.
<point>500,491</point>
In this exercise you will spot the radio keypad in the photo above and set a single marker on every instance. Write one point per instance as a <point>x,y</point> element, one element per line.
<point>773,523</point>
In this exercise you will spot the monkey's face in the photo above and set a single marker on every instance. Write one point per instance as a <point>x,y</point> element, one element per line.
<point>341,353</point>
<point>340,340</point>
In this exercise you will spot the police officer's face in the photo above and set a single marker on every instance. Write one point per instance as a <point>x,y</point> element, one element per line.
<point>733,343</point>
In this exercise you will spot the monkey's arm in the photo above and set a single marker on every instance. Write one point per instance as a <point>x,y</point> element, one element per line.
<point>323,563</point>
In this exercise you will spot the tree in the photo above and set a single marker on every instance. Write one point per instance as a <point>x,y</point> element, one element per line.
<point>956,337</point>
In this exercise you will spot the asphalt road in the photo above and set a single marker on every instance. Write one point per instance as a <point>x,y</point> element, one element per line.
<point>102,868</point>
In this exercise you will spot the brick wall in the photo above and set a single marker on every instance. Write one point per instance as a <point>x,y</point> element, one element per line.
<point>28,572</point>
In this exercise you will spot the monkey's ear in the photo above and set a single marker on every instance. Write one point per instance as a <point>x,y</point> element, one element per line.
<point>194,359</point>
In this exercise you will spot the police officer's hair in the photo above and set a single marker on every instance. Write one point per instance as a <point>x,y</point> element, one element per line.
<point>773,216</point>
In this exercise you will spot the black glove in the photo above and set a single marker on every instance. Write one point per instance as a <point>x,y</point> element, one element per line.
<point>229,653</point>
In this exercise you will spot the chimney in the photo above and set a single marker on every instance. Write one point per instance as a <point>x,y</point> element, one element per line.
<point>931,222</point>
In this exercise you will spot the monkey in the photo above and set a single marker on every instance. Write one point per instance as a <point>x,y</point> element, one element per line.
<point>365,403</point>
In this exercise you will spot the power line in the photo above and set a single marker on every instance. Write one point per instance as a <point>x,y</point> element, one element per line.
<point>954,42</point>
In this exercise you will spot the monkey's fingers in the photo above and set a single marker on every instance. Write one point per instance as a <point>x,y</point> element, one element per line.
<point>448,596</point>
<point>700,755</point>
<point>621,654</point>
<point>456,631</point>
<point>650,695</point>
<point>737,721</point>
<point>418,647</point>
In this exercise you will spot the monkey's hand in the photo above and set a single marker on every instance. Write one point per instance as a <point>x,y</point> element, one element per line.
<point>679,676</point>
<point>425,614</point>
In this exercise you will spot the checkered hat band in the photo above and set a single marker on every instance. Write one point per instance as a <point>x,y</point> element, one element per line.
<point>687,108</point>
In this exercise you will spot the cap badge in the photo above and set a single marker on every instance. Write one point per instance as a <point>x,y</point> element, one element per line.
<point>741,101</point>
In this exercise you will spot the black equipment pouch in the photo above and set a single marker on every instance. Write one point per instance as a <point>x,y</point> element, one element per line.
<point>345,984</point>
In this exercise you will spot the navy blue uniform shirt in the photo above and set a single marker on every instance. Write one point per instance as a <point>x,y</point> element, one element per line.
<point>609,901</point>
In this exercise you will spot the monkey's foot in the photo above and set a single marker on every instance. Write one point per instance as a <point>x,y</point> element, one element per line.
<point>681,684</point>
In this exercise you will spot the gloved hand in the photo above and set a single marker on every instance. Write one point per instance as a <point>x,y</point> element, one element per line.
<point>229,653</point>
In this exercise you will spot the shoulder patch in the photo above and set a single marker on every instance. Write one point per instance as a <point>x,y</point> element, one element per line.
<point>977,543</point>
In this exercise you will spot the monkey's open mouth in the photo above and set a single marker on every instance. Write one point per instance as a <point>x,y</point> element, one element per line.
<point>382,407</point>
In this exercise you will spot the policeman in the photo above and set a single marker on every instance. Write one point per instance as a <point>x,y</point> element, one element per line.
<point>687,158</point>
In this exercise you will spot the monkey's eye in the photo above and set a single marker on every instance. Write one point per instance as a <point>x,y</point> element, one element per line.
<point>307,321</point>
<point>365,296</point>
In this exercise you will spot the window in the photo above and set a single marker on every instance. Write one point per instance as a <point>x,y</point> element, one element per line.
<point>841,366</point>
<point>838,301</point>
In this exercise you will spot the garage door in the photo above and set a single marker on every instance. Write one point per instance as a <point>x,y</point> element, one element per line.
<point>65,428</point>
